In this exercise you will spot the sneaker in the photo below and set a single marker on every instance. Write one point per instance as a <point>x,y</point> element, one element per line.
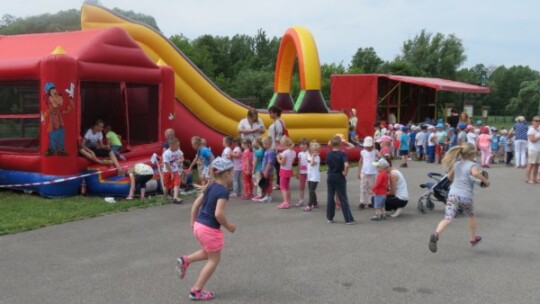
<point>330,221</point>
<point>308,208</point>
<point>181,266</point>
<point>397,212</point>
<point>233,194</point>
<point>476,240</point>
<point>353,222</point>
<point>266,199</point>
<point>361,206</point>
<point>284,205</point>
<point>300,203</point>
<point>257,198</point>
<point>433,239</point>
<point>377,218</point>
<point>370,205</point>
<point>404,166</point>
<point>177,201</point>
<point>275,188</point>
<point>201,295</point>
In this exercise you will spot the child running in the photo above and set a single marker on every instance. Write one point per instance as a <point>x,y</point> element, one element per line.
<point>380,189</point>
<point>484,144</point>
<point>303,164</point>
<point>286,159</point>
<point>314,176</point>
<point>338,167</point>
<point>366,171</point>
<point>460,162</point>
<point>247,169</point>
<point>207,217</point>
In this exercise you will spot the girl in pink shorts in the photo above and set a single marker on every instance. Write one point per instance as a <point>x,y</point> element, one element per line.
<point>286,159</point>
<point>207,217</point>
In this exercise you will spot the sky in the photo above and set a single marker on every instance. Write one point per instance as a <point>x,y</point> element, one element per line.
<point>495,32</point>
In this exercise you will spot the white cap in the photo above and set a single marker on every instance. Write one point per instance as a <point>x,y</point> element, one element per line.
<point>368,141</point>
<point>222,164</point>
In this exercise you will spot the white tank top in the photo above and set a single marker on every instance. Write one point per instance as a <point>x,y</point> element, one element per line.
<point>367,158</point>
<point>401,188</point>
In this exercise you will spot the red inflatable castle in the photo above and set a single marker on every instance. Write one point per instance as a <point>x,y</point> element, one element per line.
<point>54,86</point>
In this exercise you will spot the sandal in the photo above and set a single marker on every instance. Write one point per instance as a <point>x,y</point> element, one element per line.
<point>203,295</point>
<point>308,208</point>
<point>476,240</point>
<point>284,205</point>
<point>181,266</point>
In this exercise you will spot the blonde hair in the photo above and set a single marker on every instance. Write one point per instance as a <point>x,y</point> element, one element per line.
<point>314,145</point>
<point>465,151</point>
<point>258,143</point>
<point>267,140</point>
<point>286,141</point>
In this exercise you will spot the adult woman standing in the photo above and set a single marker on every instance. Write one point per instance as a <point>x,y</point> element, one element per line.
<point>398,195</point>
<point>276,131</point>
<point>519,130</point>
<point>252,126</point>
<point>464,118</point>
<point>533,136</point>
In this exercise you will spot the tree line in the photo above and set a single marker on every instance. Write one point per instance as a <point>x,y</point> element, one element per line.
<point>243,65</point>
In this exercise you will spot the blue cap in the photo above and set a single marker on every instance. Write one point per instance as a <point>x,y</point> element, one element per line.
<point>440,120</point>
<point>404,128</point>
<point>479,122</point>
<point>49,86</point>
<point>462,126</point>
<point>453,129</point>
<point>439,125</point>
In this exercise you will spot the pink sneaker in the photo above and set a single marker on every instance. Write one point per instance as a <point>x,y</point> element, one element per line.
<point>284,205</point>
<point>181,267</point>
<point>300,203</point>
<point>308,208</point>
<point>257,198</point>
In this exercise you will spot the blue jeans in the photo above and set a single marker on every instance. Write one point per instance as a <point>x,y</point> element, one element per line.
<point>237,182</point>
<point>431,153</point>
<point>337,184</point>
<point>56,139</point>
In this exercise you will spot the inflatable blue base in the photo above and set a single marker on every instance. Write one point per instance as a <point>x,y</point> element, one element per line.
<point>115,186</point>
<point>62,189</point>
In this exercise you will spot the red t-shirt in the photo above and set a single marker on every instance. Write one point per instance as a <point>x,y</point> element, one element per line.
<point>381,184</point>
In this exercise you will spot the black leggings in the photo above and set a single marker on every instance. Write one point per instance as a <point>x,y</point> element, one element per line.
<point>277,166</point>
<point>392,203</point>
<point>312,187</point>
<point>509,156</point>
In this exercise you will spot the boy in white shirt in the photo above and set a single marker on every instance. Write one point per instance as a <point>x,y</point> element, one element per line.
<point>172,160</point>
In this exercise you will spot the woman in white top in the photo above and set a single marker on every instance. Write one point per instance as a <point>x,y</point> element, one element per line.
<point>252,126</point>
<point>533,145</point>
<point>398,195</point>
<point>276,130</point>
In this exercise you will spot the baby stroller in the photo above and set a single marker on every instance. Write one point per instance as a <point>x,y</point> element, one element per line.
<point>437,190</point>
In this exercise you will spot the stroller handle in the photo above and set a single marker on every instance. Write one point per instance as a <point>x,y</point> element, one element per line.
<point>434,175</point>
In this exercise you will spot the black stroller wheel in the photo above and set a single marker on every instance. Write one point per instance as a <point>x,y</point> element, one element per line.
<point>421,205</point>
<point>430,205</point>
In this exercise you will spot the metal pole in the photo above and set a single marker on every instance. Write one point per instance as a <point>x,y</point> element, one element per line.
<point>399,104</point>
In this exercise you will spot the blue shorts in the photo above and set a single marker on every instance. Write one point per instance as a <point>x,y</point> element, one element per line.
<point>378,201</point>
<point>403,152</point>
<point>420,149</point>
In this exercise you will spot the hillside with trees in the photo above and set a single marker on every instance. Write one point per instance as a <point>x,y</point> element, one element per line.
<point>243,65</point>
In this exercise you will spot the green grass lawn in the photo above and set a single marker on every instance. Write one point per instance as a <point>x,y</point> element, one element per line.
<point>23,212</point>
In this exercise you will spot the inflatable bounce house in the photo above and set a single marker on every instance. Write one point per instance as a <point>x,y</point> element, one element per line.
<point>54,86</point>
<point>52,89</point>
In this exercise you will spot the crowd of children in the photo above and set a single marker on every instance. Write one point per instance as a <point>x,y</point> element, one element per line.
<point>429,143</point>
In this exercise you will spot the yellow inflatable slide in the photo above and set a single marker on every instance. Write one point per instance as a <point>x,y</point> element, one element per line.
<point>211,105</point>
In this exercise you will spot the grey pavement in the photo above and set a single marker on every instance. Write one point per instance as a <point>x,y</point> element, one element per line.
<point>290,256</point>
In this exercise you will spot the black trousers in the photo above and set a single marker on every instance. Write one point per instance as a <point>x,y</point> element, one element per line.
<point>337,184</point>
<point>312,188</point>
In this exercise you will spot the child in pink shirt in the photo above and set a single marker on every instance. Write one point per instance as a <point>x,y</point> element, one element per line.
<point>484,145</point>
<point>247,168</point>
<point>286,159</point>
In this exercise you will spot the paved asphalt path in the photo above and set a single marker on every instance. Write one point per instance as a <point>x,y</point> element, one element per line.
<point>290,256</point>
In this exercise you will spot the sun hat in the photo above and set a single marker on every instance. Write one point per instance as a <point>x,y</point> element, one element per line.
<point>384,138</point>
<point>381,163</point>
<point>368,141</point>
<point>430,127</point>
<point>222,164</point>
<point>470,127</point>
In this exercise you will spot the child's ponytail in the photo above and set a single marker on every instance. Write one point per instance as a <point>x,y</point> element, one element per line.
<point>463,151</point>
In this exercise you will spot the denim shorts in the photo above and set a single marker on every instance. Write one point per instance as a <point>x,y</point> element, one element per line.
<point>378,201</point>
